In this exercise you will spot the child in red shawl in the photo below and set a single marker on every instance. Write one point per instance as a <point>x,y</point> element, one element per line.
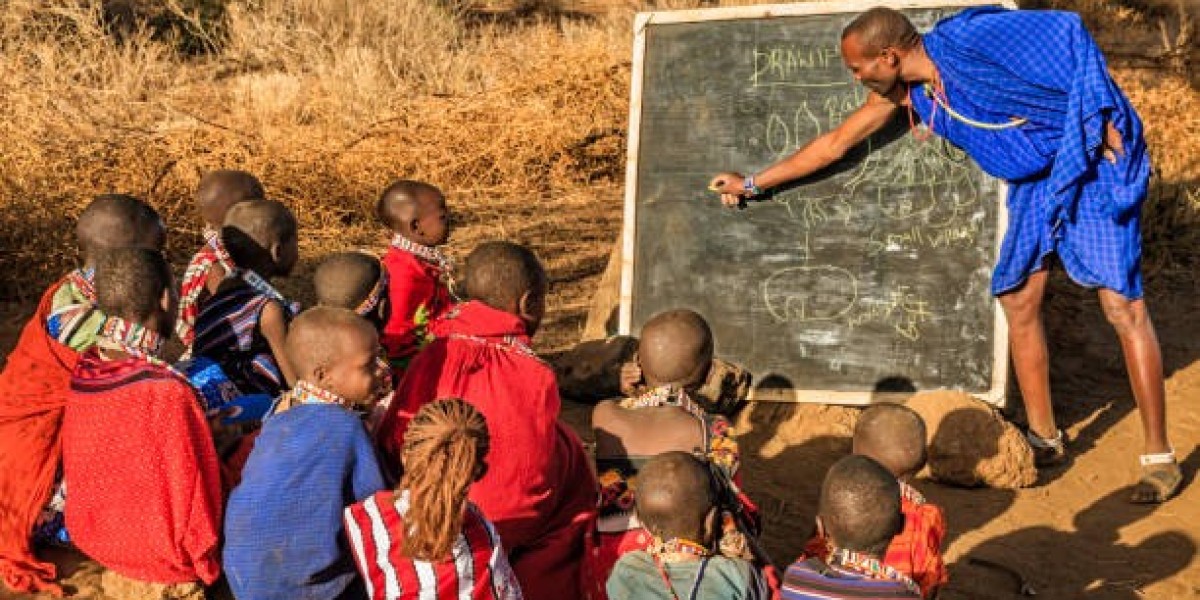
<point>144,489</point>
<point>894,436</point>
<point>418,272</point>
<point>539,489</point>
<point>675,354</point>
<point>35,383</point>
<point>217,192</point>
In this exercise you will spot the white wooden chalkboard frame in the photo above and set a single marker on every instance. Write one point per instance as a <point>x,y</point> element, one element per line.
<point>996,395</point>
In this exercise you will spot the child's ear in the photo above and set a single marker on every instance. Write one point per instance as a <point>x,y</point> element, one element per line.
<point>319,374</point>
<point>167,301</point>
<point>415,226</point>
<point>525,305</point>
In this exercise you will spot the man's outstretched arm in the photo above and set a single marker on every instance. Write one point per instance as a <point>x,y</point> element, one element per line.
<point>819,153</point>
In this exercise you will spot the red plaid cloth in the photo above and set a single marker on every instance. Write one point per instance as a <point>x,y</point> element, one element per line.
<point>145,485</point>
<point>195,280</point>
<point>539,489</point>
<point>917,551</point>
<point>33,391</point>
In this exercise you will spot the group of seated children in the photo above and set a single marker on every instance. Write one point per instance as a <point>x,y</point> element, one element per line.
<point>396,440</point>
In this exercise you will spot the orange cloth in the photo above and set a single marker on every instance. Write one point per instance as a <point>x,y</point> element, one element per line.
<point>916,551</point>
<point>33,391</point>
<point>539,489</point>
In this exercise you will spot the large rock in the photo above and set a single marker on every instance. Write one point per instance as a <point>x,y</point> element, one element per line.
<point>970,444</point>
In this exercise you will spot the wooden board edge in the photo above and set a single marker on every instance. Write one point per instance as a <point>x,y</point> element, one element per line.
<point>999,391</point>
<point>770,11</point>
<point>856,398</point>
<point>629,218</point>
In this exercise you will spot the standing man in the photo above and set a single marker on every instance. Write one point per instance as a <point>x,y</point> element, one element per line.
<point>1028,95</point>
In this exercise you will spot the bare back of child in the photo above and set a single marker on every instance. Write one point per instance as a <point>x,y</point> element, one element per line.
<point>674,352</point>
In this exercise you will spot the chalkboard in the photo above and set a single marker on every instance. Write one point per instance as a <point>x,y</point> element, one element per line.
<point>871,277</point>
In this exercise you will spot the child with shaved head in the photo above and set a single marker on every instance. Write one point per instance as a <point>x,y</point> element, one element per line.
<point>36,380</point>
<point>539,489</point>
<point>418,272</point>
<point>354,281</point>
<point>859,513</point>
<point>894,436</point>
<point>283,530</point>
<point>244,325</point>
<point>217,192</point>
<point>144,495</point>
<point>677,505</point>
<point>675,353</point>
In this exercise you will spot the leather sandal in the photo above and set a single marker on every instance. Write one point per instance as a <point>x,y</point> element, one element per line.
<point>1161,478</point>
<point>1047,452</point>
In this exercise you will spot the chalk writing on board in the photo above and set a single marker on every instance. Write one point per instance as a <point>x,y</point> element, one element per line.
<point>793,65</point>
<point>809,293</point>
<point>902,309</point>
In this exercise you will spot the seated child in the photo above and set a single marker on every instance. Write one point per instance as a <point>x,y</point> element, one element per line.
<point>218,190</point>
<point>358,281</point>
<point>539,489</point>
<point>143,480</point>
<point>418,273</point>
<point>675,353</point>
<point>354,281</point>
<point>283,525</point>
<point>678,506</point>
<point>243,326</point>
<point>859,513</point>
<point>425,539</point>
<point>36,380</point>
<point>894,436</point>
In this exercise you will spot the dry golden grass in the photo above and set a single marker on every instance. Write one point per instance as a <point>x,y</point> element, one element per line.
<point>521,121</point>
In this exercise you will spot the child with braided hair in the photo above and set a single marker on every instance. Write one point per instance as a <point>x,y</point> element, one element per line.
<point>426,539</point>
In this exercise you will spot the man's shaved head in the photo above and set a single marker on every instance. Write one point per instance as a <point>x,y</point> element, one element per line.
<point>499,274</point>
<point>114,221</point>
<point>406,200</point>
<point>346,279</point>
<point>676,347</point>
<point>880,28</point>
<point>322,336</point>
<point>675,496</point>
<point>130,283</point>
<point>219,190</point>
<point>893,435</point>
<point>252,229</point>
<point>860,505</point>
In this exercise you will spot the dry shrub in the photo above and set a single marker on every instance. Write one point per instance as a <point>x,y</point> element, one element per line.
<point>522,122</point>
<point>970,444</point>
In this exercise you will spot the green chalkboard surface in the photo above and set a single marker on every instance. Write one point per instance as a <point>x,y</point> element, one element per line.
<point>872,275</point>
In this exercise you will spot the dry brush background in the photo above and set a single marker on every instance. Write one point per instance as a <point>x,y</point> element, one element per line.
<point>516,108</point>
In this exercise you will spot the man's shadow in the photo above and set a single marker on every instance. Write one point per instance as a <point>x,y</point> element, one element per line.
<point>1104,567</point>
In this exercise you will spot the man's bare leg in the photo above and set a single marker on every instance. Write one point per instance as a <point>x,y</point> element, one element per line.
<point>1143,361</point>
<point>1030,357</point>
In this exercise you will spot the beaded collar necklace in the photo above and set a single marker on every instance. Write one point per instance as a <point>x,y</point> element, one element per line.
<point>82,280</point>
<point>427,253</point>
<point>378,293</point>
<point>676,550</point>
<point>665,395</point>
<point>305,392</point>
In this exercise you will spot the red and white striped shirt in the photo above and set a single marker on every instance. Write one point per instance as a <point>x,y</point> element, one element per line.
<point>477,569</point>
